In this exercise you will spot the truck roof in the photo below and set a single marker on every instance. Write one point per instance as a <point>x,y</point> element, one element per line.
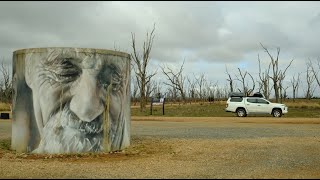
<point>240,94</point>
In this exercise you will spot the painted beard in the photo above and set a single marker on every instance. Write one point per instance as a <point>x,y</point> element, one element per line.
<point>66,133</point>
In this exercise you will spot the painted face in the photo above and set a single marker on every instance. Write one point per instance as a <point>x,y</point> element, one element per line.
<point>69,100</point>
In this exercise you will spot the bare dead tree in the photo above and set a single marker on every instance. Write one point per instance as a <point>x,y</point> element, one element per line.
<point>200,82</point>
<point>249,91</point>
<point>225,92</point>
<point>177,79</point>
<point>211,89</point>
<point>245,87</point>
<point>219,93</point>
<point>140,63</point>
<point>284,94</point>
<point>171,94</point>
<point>135,89</point>
<point>242,80</point>
<point>281,88</point>
<point>310,79</point>
<point>6,88</point>
<point>157,88</point>
<point>264,80</point>
<point>150,89</point>
<point>260,86</point>
<point>191,89</point>
<point>205,92</point>
<point>315,69</point>
<point>230,80</point>
<point>276,72</point>
<point>295,84</point>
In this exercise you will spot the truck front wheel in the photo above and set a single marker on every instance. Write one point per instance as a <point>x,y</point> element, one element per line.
<point>276,113</point>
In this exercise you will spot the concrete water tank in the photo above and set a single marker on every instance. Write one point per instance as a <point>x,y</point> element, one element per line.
<point>70,100</point>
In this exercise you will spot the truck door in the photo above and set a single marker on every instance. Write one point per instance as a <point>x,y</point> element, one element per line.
<point>251,105</point>
<point>264,106</point>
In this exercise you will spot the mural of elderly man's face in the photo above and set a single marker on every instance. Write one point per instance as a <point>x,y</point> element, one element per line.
<point>71,92</point>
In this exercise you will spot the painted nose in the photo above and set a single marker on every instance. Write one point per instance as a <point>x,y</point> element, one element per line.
<point>86,103</point>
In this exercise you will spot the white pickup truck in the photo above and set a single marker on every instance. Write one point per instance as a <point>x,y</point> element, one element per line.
<point>254,105</point>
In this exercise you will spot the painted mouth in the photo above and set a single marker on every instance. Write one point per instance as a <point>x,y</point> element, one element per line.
<point>71,120</point>
<point>93,127</point>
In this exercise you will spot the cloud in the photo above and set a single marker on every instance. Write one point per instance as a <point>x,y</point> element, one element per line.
<point>207,34</point>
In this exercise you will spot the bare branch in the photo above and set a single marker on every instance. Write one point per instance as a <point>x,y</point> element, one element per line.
<point>315,72</point>
<point>176,79</point>
<point>253,85</point>
<point>230,80</point>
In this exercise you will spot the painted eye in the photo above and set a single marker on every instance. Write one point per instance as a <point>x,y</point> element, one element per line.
<point>115,84</point>
<point>67,75</point>
<point>67,72</point>
<point>105,86</point>
<point>110,75</point>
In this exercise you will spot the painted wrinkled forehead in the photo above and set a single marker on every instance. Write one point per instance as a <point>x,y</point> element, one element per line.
<point>88,60</point>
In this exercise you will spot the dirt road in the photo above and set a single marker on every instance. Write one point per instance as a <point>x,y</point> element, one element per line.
<point>187,148</point>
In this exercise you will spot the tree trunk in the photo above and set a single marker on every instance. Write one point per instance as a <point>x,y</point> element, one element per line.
<point>276,92</point>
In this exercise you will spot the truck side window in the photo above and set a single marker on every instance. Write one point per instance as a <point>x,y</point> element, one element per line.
<point>251,100</point>
<point>262,101</point>
<point>236,99</point>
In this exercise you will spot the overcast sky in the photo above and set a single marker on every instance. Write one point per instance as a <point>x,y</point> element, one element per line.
<point>208,35</point>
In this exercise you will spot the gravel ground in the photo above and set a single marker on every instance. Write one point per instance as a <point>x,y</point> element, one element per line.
<point>187,148</point>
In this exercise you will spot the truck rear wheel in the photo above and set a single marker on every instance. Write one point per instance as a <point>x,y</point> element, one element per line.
<point>241,112</point>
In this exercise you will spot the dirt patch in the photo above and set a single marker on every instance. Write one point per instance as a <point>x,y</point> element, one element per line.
<point>178,158</point>
<point>140,147</point>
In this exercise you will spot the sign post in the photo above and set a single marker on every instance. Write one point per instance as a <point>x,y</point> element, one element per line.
<point>157,101</point>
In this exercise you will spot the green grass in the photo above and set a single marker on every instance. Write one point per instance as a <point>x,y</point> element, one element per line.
<point>216,109</point>
<point>297,108</point>
<point>5,144</point>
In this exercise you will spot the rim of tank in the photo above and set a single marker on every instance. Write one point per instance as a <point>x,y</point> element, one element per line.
<point>86,50</point>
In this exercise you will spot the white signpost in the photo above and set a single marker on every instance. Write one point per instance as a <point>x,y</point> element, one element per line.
<point>157,102</point>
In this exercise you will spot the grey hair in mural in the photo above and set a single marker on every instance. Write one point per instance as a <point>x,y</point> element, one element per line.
<point>70,100</point>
